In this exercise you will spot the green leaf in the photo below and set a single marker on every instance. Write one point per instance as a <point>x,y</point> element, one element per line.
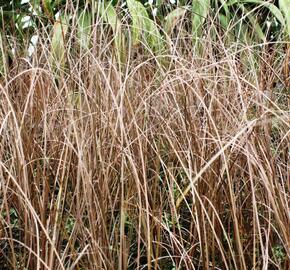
<point>253,19</point>
<point>224,21</point>
<point>60,28</point>
<point>244,29</point>
<point>225,7</point>
<point>257,27</point>
<point>84,29</point>
<point>200,10</point>
<point>173,17</point>
<point>144,27</point>
<point>272,8</point>
<point>139,16</point>
<point>285,8</point>
<point>109,15</point>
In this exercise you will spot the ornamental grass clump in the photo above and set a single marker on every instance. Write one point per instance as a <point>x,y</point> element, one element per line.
<point>117,153</point>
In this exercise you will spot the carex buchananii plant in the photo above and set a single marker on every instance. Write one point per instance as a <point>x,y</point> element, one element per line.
<point>128,141</point>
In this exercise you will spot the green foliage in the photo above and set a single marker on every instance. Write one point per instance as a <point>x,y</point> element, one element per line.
<point>84,29</point>
<point>200,10</point>
<point>13,217</point>
<point>285,7</point>
<point>279,253</point>
<point>60,29</point>
<point>250,15</point>
<point>173,17</point>
<point>109,15</point>
<point>70,223</point>
<point>143,28</point>
<point>247,20</point>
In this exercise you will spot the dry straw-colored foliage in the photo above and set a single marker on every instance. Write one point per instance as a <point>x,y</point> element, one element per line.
<point>173,160</point>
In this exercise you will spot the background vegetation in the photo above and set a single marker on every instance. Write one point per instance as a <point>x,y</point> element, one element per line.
<point>144,134</point>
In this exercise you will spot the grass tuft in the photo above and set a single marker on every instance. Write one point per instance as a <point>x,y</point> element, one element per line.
<point>154,160</point>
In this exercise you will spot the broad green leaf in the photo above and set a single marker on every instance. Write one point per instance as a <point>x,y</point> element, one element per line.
<point>109,15</point>
<point>172,18</point>
<point>200,10</point>
<point>224,21</point>
<point>60,28</point>
<point>84,29</point>
<point>139,15</point>
<point>143,26</point>
<point>285,8</point>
